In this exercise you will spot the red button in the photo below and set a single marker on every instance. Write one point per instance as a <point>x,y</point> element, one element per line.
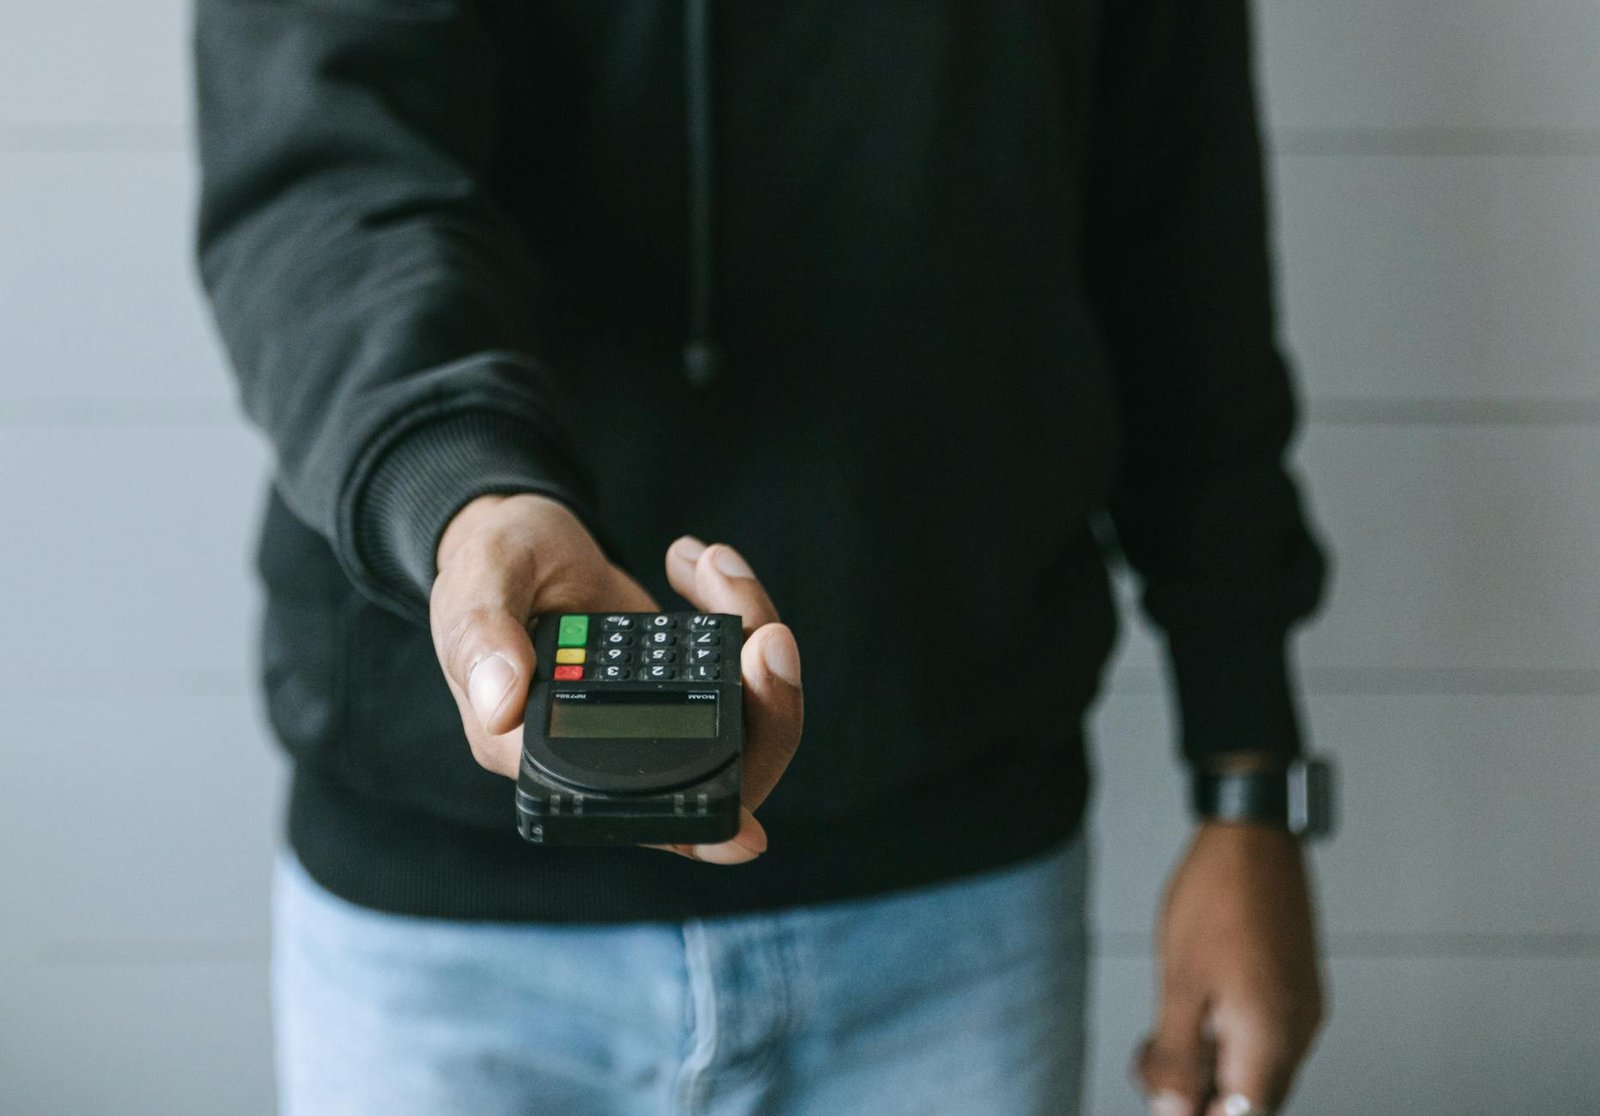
<point>568,673</point>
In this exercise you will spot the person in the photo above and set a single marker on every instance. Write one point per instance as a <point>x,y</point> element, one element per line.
<point>930,312</point>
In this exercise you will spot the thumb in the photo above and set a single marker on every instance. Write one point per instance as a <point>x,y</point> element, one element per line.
<point>488,661</point>
<point>497,681</point>
<point>1174,1066</point>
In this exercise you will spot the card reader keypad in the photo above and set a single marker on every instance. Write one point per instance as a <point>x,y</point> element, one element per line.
<point>622,647</point>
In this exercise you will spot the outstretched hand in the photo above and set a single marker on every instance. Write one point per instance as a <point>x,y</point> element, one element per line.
<point>506,559</point>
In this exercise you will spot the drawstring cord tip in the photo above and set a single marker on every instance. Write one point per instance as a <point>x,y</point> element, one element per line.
<point>702,362</point>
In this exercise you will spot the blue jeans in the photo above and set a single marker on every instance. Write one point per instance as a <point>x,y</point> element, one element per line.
<point>965,997</point>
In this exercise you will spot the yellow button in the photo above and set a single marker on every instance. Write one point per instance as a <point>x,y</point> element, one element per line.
<point>569,654</point>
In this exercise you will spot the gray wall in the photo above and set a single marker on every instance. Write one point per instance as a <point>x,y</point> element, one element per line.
<point>1436,167</point>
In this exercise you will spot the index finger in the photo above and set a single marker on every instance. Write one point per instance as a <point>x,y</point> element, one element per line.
<point>716,578</point>
<point>1255,1063</point>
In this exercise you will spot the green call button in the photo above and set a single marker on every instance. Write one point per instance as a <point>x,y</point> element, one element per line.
<point>573,632</point>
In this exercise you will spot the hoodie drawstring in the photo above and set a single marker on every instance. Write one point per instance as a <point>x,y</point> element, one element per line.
<point>702,357</point>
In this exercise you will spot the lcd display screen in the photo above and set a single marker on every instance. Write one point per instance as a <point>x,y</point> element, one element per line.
<point>673,718</point>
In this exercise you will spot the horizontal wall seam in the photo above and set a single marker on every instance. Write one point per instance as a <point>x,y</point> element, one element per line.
<point>70,139</point>
<point>202,412</point>
<point>1111,946</point>
<point>1386,681</point>
<point>1418,946</point>
<point>1444,411</point>
<point>1446,142</point>
<point>88,412</point>
<point>1319,141</point>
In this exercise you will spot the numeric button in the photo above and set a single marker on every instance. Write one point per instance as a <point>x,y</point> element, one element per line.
<point>657,672</point>
<point>616,639</point>
<point>702,672</point>
<point>613,672</point>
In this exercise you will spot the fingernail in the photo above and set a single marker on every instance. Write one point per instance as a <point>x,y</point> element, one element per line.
<point>1168,1104</point>
<point>491,677</point>
<point>782,658</point>
<point>689,548</point>
<point>729,562</point>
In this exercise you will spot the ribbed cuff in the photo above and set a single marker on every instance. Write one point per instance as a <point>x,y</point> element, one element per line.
<point>424,478</point>
<point>1235,692</point>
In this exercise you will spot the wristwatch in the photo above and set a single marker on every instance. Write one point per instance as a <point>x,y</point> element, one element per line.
<point>1299,797</point>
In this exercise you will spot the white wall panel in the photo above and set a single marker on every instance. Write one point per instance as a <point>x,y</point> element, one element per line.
<point>1412,1036</point>
<point>1466,821</point>
<point>1431,63</point>
<point>1451,278</point>
<point>1457,548</point>
<point>72,63</point>
<point>101,314</point>
<point>134,826</point>
<point>170,1039</point>
<point>127,559</point>
<point>1366,63</point>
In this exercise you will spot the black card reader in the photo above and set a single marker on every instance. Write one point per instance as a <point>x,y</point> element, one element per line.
<point>634,730</point>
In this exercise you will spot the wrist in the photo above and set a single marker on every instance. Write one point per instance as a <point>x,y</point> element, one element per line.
<point>1245,762</point>
<point>463,525</point>
<point>1244,832</point>
<point>485,514</point>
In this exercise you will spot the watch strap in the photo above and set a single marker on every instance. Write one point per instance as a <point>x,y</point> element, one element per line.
<point>1299,798</point>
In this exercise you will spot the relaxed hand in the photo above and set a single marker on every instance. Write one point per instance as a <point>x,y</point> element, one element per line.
<point>1240,994</point>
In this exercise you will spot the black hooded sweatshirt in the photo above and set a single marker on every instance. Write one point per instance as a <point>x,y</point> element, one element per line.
<point>925,305</point>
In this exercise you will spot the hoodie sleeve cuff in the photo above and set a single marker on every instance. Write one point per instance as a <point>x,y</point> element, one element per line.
<point>424,478</point>
<point>1235,692</point>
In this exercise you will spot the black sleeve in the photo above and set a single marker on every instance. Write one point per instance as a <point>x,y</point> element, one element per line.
<point>1176,246</point>
<point>374,301</point>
